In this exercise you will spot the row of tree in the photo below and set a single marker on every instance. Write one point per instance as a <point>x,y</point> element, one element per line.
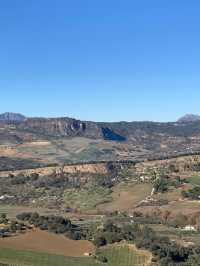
<point>52,223</point>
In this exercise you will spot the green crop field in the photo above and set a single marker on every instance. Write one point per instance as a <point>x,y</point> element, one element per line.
<point>116,255</point>
<point>194,180</point>
<point>124,256</point>
<point>27,258</point>
<point>87,199</point>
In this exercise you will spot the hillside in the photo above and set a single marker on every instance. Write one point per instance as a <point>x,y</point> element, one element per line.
<point>105,179</point>
<point>12,117</point>
<point>63,140</point>
<point>119,207</point>
<point>189,118</point>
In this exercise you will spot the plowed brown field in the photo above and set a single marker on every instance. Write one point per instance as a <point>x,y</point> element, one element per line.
<point>42,241</point>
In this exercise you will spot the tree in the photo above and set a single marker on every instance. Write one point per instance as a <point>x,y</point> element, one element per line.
<point>13,226</point>
<point>3,218</point>
<point>102,258</point>
<point>100,241</point>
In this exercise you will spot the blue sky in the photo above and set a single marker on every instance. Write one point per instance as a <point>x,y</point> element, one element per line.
<point>105,60</point>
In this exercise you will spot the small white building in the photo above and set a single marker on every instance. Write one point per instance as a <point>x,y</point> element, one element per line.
<point>86,254</point>
<point>189,228</point>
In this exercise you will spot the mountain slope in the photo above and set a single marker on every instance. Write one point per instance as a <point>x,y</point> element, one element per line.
<point>117,131</point>
<point>69,140</point>
<point>12,117</point>
<point>189,118</point>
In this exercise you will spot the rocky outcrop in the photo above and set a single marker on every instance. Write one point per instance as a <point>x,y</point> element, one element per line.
<point>179,165</point>
<point>101,168</point>
<point>61,127</point>
<point>82,168</point>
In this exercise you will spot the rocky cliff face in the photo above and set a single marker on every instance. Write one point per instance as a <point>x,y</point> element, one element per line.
<point>97,168</point>
<point>69,127</point>
<point>60,127</point>
<point>122,131</point>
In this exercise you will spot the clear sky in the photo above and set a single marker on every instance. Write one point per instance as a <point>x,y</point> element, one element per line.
<point>103,60</point>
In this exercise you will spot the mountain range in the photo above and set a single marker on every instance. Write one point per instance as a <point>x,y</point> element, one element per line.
<point>116,131</point>
<point>66,139</point>
<point>17,117</point>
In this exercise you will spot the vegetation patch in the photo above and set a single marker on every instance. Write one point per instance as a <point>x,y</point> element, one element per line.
<point>87,199</point>
<point>194,180</point>
<point>114,255</point>
<point>193,193</point>
<point>127,195</point>
<point>24,258</point>
<point>123,255</point>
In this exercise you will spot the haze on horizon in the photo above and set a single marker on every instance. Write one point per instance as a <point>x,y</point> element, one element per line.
<point>106,61</point>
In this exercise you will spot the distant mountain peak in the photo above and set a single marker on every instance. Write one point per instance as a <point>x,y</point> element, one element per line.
<point>12,117</point>
<point>189,118</point>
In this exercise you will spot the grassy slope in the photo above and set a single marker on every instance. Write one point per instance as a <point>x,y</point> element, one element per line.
<point>194,180</point>
<point>126,196</point>
<point>64,150</point>
<point>24,258</point>
<point>117,256</point>
<point>87,199</point>
<point>124,256</point>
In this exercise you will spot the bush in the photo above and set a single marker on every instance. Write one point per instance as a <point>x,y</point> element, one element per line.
<point>101,258</point>
<point>193,193</point>
<point>100,241</point>
<point>24,216</point>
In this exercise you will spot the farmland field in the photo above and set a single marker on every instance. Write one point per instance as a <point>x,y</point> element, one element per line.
<point>13,210</point>
<point>87,199</point>
<point>126,196</point>
<point>42,241</point>
<point>125,255</point>
<point>194,180</point>
<point>116,255</point>
<point>24,258</point>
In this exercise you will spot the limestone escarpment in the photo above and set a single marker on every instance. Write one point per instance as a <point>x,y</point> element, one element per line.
<point>179,165</point>
<point>100,168</point>
<point>61,127</point>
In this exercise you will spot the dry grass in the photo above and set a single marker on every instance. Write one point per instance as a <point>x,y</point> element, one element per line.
<point>127,196</point>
